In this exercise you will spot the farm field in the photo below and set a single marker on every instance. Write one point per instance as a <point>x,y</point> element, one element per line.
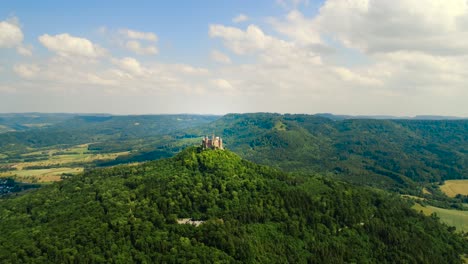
<point>41,175</point>
<point>453,187</point>
<point>456,218</point>
<point>51,164</point>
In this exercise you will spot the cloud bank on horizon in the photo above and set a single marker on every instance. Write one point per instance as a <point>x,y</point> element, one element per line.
<point>353,57</point>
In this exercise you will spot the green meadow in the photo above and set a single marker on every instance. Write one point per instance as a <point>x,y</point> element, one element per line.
<point>456,218</point>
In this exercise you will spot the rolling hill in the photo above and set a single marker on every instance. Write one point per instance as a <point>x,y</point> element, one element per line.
<point>247,213</point>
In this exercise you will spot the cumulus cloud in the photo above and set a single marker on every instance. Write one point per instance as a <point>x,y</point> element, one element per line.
<point>10,34</point>
<point>388,58</point>
<point>298,28</point>
<point>372,26</point>
<point>67,45</point>
<point>130,65</point>
<point>408,67</point>
<point>220,57</point>
<point>26,70</point>
<point>292,4</point>
<point>140,43</point>
<point>240,18</point>
<point>137,48</point>
<point>253,39</point>
<point>132,34</point>
<point>223,86</point>
<point>24,50</point>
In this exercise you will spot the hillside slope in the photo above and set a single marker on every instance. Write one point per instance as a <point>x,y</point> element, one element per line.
<point>252,214</point>
<point>385,153</point>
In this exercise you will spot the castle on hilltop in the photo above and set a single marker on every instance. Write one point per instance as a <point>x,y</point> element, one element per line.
<point>212,143</point>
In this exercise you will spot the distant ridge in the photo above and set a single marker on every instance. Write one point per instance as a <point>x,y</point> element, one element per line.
<point>417,117</point>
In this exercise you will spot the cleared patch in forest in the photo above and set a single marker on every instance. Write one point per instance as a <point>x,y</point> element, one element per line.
<point>453,187</point>
<point>41,175</point>
<point>49,164</point>
<point>456,218</point>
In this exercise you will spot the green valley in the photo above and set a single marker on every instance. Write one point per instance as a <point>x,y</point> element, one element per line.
<point>332,192</point>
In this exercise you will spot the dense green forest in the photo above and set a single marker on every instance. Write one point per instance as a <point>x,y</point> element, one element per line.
<point>27,121</point>
<point>118,132</point>
<point>252,213</point>
<point>391,154</point>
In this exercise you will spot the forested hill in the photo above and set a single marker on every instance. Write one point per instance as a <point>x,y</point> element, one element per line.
<point>387,153</point>
<point>98,128</point>
<point>251,214</point>
<point>28,121</point>
<point>393,154</point>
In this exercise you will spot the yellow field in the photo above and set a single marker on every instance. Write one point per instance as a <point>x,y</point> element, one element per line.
<point>40,175</point>
<point>77,154</point>
<point>453,187</point>
<point>456,218</point>
<point>68,160</point>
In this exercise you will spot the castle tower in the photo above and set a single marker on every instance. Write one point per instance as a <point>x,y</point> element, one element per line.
<point>213,143</point>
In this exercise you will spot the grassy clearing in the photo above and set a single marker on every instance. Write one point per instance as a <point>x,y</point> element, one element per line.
<point>280,126</point>
<point>57,161</point>
<point>68,156</point>
<point>456,218</point>
<point>40,175</point>
<point>426,191</point>
<point>53,151</point>
<point>453,187</point>
<point>412,197</point>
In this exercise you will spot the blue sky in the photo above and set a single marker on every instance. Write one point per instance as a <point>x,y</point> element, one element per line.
<point>181,25</point>
<point>299,56</point>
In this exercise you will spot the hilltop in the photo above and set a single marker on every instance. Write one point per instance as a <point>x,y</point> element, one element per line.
<point>250,213</point>
<point>399,155</point>
<point>391,154</point>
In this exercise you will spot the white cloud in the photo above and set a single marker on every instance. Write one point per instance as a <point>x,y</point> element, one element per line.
<point>285,71</point>
<point>240,18</point>
<point>187,69</point>
<point>95,79</point>
<point>371,26</point>
<point>132,34</point>
<point>137,48</point>
<point>135,41</point>
<point>244,42</point>
<point>292,4</point>
<point>298,28</point>
<point>24,50</point>
<point>350,77</point>
<point>26,70</point>
<point>224,86</point>
<point>67,45</point>
<point>220,57</point>
<point>388,58</point>
<point>130,65</point>
<point>10,34</point>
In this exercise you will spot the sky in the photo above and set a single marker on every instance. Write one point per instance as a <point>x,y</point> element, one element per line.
<point>358,57</point>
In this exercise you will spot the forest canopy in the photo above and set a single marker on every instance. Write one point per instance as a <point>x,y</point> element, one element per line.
<point>251,213</point>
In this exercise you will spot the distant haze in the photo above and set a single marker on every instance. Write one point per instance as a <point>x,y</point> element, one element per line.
<point>386,58</point>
